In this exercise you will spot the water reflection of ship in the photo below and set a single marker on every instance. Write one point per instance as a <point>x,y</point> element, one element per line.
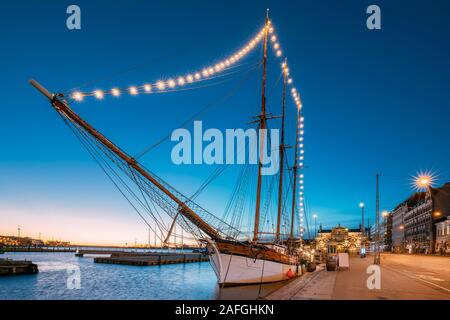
<point>236,259</point>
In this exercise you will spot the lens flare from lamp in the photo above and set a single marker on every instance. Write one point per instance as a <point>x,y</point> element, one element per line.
<point>423,180</point>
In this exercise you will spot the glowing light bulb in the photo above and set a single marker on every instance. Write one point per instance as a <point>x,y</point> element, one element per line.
<point>133,91</point>
<point>181,81</point>
<point>279,53</point>
<point>147,88</point>
<point>276,46</point>
<point>115,92</point>
<point>197,76</point>
<point>190,78</point>
<point>77,96</point>
<point>171,83</point>
<point>161,85</point>
<point>290,80</point>
<point>99,94</point>
<point>205,72</point>
<point>274,38</point>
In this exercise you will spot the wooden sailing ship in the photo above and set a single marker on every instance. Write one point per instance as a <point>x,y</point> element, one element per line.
<point>235,261</point>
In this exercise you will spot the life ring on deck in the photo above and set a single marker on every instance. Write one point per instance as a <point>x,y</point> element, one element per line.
<point>290,274</point>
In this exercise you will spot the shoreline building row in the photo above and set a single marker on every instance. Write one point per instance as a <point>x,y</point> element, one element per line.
<point>420,224</point>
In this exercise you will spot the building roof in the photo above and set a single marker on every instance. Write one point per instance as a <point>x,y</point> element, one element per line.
<point>441,201</point>
<point>440,197</point>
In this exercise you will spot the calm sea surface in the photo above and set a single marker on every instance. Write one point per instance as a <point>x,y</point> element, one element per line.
<point>104,281</point>
<point>190,281</point>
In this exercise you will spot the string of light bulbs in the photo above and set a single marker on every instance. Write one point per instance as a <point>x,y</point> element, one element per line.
<point>211,72</point>
<point>275,44</point>
<point>171,83</point>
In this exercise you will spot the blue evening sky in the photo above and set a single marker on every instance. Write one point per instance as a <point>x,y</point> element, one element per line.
<point>374,101</point>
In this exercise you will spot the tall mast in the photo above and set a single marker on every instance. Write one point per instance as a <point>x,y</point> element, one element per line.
<point>262,125</point>
<point>280,186</point>
<point>294,185</point>
<point>377,217</point>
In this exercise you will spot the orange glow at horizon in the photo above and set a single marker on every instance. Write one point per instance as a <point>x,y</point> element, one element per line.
<point>102,227</point>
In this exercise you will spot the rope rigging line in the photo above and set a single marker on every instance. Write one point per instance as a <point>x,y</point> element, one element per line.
<point>84,142</point>
<point>181,80</point>
<point>208,107</point>
<point>78,88</point>
<point>153,192</point>
<point>93,153</point>
<point>215,174</point>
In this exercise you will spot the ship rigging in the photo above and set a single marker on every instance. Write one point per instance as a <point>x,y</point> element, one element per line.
<point>236,258</point>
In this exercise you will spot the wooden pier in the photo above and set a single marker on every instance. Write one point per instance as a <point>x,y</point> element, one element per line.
<point>82,252</point>
<point>152,259</point>
<point>37,249</point>
<point>12,267</point>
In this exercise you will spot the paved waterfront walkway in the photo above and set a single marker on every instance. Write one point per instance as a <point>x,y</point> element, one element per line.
<point>316,285</point>
<point>402,277</point>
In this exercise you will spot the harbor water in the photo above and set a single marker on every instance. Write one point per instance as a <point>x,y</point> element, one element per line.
<point>54,281</point>
<point>103,281</point>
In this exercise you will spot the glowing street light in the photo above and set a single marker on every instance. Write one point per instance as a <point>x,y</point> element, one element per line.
<point>363,249</point>
<point>423,182</point>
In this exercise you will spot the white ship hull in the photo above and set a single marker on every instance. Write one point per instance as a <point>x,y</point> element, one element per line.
<point>234,270</point>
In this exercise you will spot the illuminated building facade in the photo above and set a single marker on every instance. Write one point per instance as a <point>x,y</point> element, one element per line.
<point>338,240</point>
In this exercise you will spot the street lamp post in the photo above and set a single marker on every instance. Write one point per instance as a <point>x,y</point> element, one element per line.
<point>315,225</point>
<point>424,182</point>
<point>363,246</point>
<point>385,215</point>
<point>377,224</point>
